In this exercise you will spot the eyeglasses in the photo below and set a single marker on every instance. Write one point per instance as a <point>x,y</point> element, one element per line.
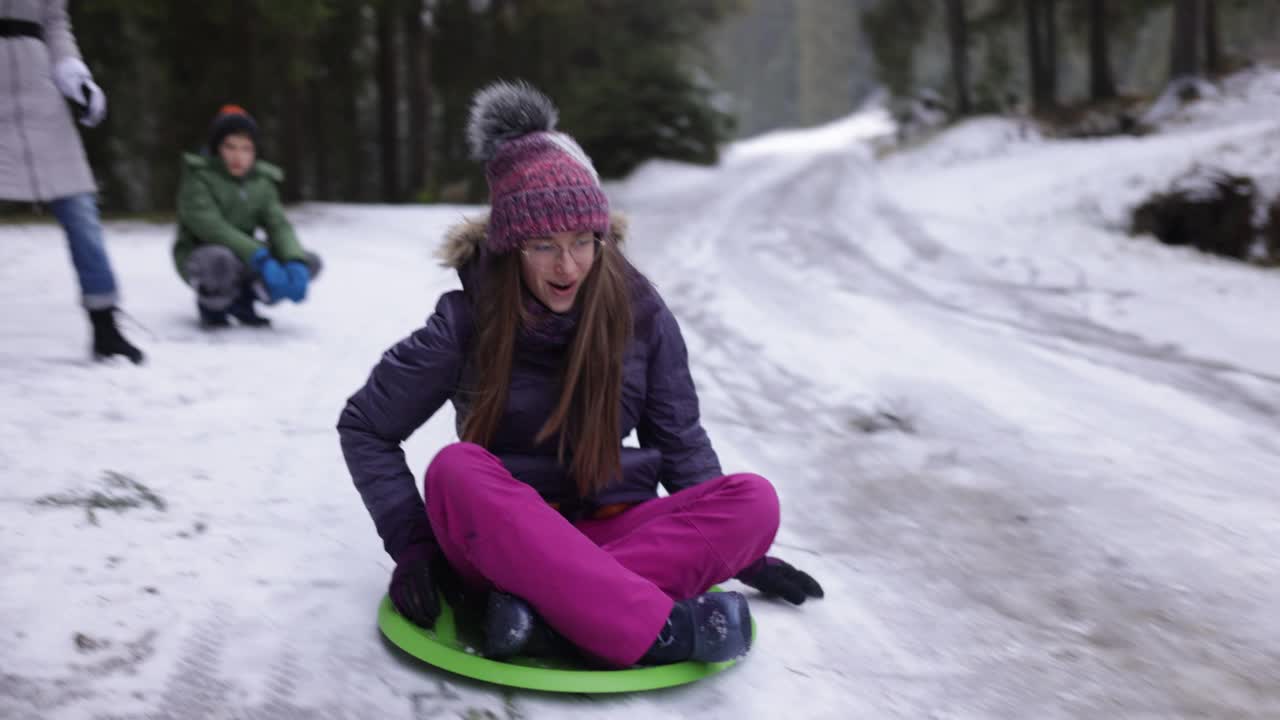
<point>545,254</point>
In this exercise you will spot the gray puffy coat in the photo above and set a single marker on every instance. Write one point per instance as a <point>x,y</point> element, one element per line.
<point>41,157</point>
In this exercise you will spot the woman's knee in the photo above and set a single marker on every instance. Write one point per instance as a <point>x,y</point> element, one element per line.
<point>759,500</point>
<point>451,466</point>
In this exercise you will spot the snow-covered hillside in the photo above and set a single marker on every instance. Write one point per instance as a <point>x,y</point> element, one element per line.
<point>1032,460</point>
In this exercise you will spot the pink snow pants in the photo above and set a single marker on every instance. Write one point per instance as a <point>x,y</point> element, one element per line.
<point>605,585</point>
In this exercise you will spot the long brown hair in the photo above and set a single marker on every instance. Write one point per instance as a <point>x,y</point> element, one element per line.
<point>587,416</point>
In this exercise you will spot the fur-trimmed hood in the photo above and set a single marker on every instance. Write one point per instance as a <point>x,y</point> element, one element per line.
<point>462,241</point>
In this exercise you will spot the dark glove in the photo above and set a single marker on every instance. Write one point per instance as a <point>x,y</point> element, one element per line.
<point>772,576</point>
<point>299,275</point>
<point>413,589</point>
<point>274,278</point>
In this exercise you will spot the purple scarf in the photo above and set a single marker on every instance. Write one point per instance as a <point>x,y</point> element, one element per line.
<point>546,328</point>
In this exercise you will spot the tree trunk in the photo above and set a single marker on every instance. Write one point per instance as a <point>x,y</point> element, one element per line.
<point>1212,46</point>
<point>1102,84</point>
<point>417,53</point>
<point>957,33</point>
<point>291,117</point>
<point>1184,54</point>
<point>388,127</point>
<point>337,87</point>
<point>1035,55</point>
<point>351,133</point>
<point>246,59</point>
<point>318,132</point>
<point>1049,64</point>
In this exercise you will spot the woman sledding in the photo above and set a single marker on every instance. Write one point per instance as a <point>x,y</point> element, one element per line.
<point>556,349</point>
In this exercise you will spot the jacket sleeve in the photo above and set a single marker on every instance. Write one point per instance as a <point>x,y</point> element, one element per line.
<point>411,381</point>
<point>284,242</point>
<point>58,37</point>
<point>199,213</point>
<point>670,421</point>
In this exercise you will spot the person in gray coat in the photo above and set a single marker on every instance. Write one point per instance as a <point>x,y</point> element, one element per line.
<point>41,158</point>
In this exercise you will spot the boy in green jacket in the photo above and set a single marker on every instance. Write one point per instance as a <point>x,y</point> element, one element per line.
<point>224,197</point>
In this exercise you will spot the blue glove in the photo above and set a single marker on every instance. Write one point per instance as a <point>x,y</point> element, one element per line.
<point>299,276</point>
<point>274,277</point>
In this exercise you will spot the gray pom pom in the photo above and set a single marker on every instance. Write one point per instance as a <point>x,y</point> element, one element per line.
<point>503,111</point>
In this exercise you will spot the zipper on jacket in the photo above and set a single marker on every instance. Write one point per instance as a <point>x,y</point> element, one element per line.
<point>17,109</point>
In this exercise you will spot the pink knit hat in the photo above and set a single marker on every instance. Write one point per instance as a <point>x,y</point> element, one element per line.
<point>540,181</point>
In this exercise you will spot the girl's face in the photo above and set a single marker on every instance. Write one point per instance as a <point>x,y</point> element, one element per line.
<point>554,267</point>
<point>237,154</point>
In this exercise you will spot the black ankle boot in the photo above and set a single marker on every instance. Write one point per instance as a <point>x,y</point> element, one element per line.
<point>512,627</point>
<point>107,340</point>
<point>210,319</point>
<point>243,311</point>
<point>713,627</point>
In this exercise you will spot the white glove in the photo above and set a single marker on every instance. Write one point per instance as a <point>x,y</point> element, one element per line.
<point>76,83</point>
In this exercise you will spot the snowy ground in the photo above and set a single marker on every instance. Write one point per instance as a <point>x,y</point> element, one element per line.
<point>1032,460</point>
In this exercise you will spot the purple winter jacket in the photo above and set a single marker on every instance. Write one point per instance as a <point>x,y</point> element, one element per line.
<point>419,373</point>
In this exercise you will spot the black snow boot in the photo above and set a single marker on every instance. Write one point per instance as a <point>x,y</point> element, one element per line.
<point>243,311</point>
<point>512,627</point>
<point>212,319</point>
<point>107,340</point>
<point>713,627</point>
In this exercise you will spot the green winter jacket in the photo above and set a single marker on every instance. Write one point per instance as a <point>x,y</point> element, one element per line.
<point>214,207</point>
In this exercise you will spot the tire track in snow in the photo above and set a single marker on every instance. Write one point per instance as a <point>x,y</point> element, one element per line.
<point>1056,324</point>
<point>1069,605</point>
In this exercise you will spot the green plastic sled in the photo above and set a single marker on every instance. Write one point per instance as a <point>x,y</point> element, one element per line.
<point>442,647</point>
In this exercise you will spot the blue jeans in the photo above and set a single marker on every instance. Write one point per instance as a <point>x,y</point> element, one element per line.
<point>78,215</point>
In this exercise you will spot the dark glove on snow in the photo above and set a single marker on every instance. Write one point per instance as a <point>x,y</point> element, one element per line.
<point>772,576</point>
<point>413,589</point>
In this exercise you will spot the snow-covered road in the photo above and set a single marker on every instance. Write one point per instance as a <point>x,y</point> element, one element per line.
<point>1032,461</point>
